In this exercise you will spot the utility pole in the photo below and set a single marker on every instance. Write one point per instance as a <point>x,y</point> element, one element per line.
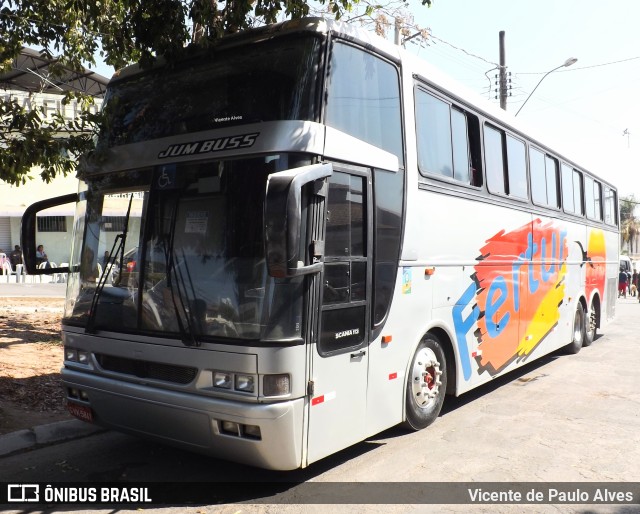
<point>502,81</point>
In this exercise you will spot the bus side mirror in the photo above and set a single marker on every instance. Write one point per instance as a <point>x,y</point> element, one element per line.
<point>282,218</point>
<point>28,233</point>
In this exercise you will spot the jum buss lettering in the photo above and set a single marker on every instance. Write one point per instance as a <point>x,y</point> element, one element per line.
<point>210,145</point>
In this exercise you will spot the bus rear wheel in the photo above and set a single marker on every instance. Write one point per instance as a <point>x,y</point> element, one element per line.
<point>426,384</point>
<point>578,334</point>
<point>590,326</point>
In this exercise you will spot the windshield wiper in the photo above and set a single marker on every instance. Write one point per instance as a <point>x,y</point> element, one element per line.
<point>186,332</point>
<point>117,247</point>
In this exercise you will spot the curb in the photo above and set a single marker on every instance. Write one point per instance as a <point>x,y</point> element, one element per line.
<point>42,435</point>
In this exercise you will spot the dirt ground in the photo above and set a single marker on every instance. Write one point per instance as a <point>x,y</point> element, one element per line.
<point>31,356</point>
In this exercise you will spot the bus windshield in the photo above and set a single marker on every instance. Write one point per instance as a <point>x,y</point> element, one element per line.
<point>277,80</point>
<point>181,255</point>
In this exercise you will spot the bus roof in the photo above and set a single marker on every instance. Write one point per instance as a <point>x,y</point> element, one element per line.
<point>418,67</point>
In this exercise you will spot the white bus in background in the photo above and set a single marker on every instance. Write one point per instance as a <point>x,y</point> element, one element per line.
<point>626,264</point>
<point>325,236</point>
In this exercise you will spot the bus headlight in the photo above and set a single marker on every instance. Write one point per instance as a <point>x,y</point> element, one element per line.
<point>244,383</point>
<point>70,354</point>
<point>222,379</point>
<point>230,428</point>
<point>74,355</point>
<point>252,431</point>
<point>276,385</point>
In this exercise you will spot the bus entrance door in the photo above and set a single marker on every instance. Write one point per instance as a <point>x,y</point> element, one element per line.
<point>340,360</point>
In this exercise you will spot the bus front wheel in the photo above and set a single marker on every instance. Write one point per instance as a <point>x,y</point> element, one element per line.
<point>426,384</point>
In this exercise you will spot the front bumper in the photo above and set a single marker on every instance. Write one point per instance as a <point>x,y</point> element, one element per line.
<point>194,422</point>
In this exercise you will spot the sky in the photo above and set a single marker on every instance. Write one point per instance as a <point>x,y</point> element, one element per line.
<point>586,107</point>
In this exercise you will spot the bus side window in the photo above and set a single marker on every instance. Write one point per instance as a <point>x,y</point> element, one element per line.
<point>505,176</point>
<point>388,194</point>
<point>597,194</point>
<point>593,199</point>
<point>516,168</point>
<point>494,160</point>
<point>475,149</point>
<point>363,98</point>
<point>448,140</point>
<point>568,199</point>
<point>578,192</point>
<point>538,177</point>
<point>544,179</point>
<point>551,165</point>
<point>610,206</point>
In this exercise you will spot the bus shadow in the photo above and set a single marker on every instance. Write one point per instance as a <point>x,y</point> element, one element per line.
<point>209,481</point>
<point>453,403</point>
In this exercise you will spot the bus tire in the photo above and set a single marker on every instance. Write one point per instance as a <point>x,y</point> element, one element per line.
<point>426,384</point>
<point>590,326</point>
<point>578,333</point>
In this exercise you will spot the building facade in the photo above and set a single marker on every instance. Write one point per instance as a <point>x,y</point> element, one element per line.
<point>30,84</point>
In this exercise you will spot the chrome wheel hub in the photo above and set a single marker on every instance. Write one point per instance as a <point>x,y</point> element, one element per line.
<point>425,378</point>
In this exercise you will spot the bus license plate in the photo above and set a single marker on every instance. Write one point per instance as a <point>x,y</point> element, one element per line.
<point>80,411</point>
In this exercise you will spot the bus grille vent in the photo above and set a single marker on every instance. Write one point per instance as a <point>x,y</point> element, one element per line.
<point>147,369</point>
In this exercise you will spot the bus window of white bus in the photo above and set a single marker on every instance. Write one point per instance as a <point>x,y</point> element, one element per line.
<point>448,140</point>
<point>578,192</point>
<point>363,98</point>
<point>568,199</point>
<point>593,195</point>
<point>505,177</point>
<point>544,179</point>
<point>610,212</point>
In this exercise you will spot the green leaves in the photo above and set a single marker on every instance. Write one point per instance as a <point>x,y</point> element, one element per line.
<point>121,32</point>
<point>39,135</point>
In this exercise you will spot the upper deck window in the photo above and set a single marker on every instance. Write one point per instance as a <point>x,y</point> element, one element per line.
<point>260,81</point>
<point>572,190</point>
<point>544,179</point>
<point>568,198</point>
<point>505,176</point>
<point>593,198</point>
<point>447,140</point>
<point>363,98</point>
<point>610,212</point>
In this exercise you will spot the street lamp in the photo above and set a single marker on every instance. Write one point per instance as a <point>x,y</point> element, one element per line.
<point>568,62</point>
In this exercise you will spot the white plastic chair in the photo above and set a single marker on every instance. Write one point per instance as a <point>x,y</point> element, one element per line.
<point>63,276</point>
<point>7,271</point>
<point>54,277</point>
<point>43,265</point>
<point>20,274</point>
<point>3,259</point>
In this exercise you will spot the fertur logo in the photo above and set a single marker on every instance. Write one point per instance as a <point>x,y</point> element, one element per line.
<point>514,299</point>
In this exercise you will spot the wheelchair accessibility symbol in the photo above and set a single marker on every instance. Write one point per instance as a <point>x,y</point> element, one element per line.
<point>166,178</point>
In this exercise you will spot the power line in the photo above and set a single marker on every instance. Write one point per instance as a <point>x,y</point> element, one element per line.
<point>582,67</point>
<point>470,54</point>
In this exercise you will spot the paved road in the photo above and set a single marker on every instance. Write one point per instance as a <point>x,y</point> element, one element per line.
<point>36,290</point>
<point>565,418</point>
